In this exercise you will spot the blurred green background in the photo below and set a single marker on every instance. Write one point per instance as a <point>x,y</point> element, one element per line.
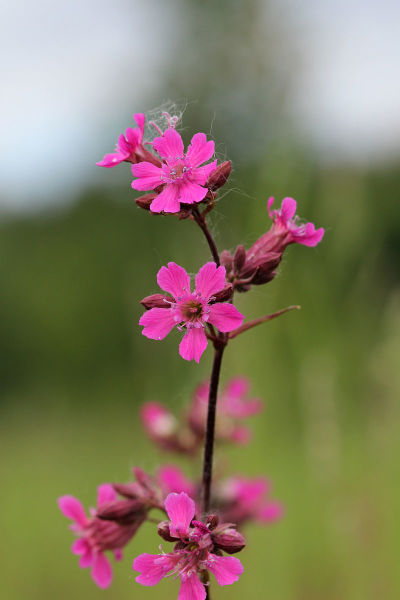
<point>75,369</point>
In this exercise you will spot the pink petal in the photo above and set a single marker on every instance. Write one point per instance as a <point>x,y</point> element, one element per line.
<point>190,193</point>
<point>201,174</point>
<point>225,317</point>
<point>157,420</point>
<point>288,209</point>
<point>134,137</point>
<point>157,323</point>
<point>270,512</point>
<point>180,509</point>
<point>152,568</point>
<point>169,145</point>
<point>140,119</point>
<point>118,555</point>
<point>167,201</point>
<point>311,236</point>
<point>101,571</point>
<point>105,493</point>
<point>80,546</point>
<point>225,568</point>
<point>193,344</point>
<point>86,560</point>
<point>174,280</point>
<point>269,207</point>
<point>72,509</point>
<point>241,435</point>
<point>192,589</point>
<point>210,280</point>
<point>249,491</point>
<point>199,150</point>
<point>112,160</point>
<point>149,175</point>
<point>172,479</point>
<point>238,387</point>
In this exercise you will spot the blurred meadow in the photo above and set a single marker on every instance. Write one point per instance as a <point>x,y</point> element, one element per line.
<point>75,262</point>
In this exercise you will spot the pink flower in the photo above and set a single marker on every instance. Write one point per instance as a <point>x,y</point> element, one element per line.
<point>190,310</point>
<point>195,553</point>
<point>233,405</point>
<point>243,499</point>
<point>285,230</point>
<point>285,224</point>
<point>130,147</point>
<point>180,173</point>
<point>95,536</point>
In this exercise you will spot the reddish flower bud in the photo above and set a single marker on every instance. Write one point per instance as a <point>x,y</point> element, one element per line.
<point>156,301</point>
<point>129,490</point>
<point>145,201</point>
<point>219,177</point>
<point>239,258</point>
<point>124,512</point>
<point>163,531</point>
<point>223,295</point>
<point>212,521</point>
<point>226,259</point>
<point>229,540</point>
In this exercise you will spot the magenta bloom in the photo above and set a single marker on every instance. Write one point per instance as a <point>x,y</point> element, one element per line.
<point>194,553</point>
<point>180,173</point>
<point>233,406</point>
<point>247,499</point>
<point>95,535</point>
<point>190,310</point>
<point>127,145</point>
<point>286,225</point>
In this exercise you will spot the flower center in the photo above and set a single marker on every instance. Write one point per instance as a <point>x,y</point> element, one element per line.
<point>192,310</point>
<point>178,171</point>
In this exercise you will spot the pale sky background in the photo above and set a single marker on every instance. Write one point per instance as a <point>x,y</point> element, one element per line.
<point>69,70</point>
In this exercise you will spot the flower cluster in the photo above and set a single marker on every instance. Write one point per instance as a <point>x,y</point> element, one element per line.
<point>205,514</point>
<point>186,435</point>
<point>198,550</point>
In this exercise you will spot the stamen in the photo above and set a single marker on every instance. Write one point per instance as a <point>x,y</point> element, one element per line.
<point>156,127</point>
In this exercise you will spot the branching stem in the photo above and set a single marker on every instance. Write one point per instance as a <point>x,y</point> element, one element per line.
<point>263,319</point>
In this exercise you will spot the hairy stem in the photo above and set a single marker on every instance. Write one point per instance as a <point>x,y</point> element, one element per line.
<point>210,430</point>
<point>202,223</point>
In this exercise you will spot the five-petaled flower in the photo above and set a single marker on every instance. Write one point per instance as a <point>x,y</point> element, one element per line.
<point>190,310</point>
<point>197,551</point>
<point>181,174</point>
<point>95,536</point>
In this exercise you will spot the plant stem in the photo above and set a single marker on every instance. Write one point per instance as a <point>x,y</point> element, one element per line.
<point>264,319</point>
<point>202,223</point>
<point>210,430</point>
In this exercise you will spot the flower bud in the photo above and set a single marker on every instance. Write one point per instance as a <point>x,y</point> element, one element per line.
<point>145,201</point>
<point>129,490</point>
<point>223,295</point>
<point>239,258</point>
<point>156,301</point>
<point>229,540</point>
<point>164,532</point>
<point>219,177</point>
<point>124,512</point>
<point>212,521</point>
<point>226,259</point>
